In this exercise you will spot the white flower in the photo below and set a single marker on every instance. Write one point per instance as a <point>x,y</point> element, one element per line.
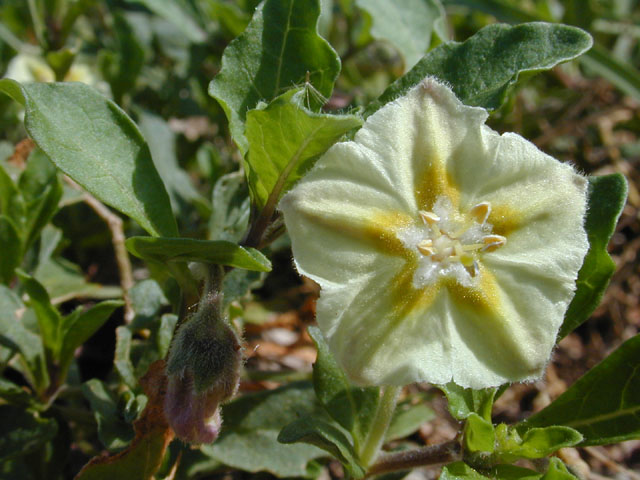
<point>444,250</point>
<point>29,68</point>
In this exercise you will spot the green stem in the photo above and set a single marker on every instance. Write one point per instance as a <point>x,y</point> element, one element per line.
<point>379,426</point>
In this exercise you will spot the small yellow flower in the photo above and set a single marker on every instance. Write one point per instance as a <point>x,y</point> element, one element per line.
<point>445,251</point>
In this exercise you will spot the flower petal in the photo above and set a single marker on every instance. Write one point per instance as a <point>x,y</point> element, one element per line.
<point>347,217</point>
<point>415,136</point>
<point>343,216</point>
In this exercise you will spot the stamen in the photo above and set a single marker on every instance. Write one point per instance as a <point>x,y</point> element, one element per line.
<point>472,269</point>
<point>429,218</point>
<point>425,248</point>
<point>467,260</point>
<point>442,243</point>
<point>459,232</point>
<point>481,212</point>
<point>493,242</point>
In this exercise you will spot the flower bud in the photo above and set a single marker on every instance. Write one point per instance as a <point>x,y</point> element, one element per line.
<point>203,371</point>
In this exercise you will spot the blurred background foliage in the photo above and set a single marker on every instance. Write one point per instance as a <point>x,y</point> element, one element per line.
<point>155,58</point>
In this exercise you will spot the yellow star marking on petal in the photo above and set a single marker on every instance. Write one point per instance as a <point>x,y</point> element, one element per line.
<point>433,183</point>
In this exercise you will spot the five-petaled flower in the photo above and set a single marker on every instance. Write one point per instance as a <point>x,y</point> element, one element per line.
<point>444,250</point>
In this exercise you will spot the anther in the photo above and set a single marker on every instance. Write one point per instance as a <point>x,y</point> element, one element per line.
<point>429,218</point>
<point>493,242</point>
<point>481,212</point>
<point>425,247</point>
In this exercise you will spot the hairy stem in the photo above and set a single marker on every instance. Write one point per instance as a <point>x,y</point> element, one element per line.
<point>431,455</point>
<point>380,425</point>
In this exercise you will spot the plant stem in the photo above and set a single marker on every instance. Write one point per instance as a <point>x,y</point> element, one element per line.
<point>380,425</point>
<point>38,24</point>
<point>431,455</point>
<point>114,222</point>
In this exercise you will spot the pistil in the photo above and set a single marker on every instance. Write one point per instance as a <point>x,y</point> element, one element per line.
<point>450,246</point>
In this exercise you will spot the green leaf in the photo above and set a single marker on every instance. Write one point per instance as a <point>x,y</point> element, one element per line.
<point>94,142</point>
<point>534,442</point>
<point>326,436</point>
<point>231,16</point>
<point>113,431</point>
<point>407,419</point>
<point>603,405</point>
<point>407,25</point>
<point>122,358</point>
<point>11,202</point>
<point>513,472</point>
<point>479,434</point>
<point>285,140</point>
<point>41,191</point>
<point>481,69</point>
<point>191,250</point>
<point>277,51</point>
<point>76,329</point>
<point>147,299</point>
<point>121,64</point>
<point>163,337</point>
<point>558,471</point>
<point>60,61</point>
<point>607,196</point>
<point>249,437</point>
<point>230,215</point>
<point>620,73</point>
<point>49,319</point>
<point>352,407</point>
<point>465,401</point>
<point>12,393</point>
<point>21,433</point>
<point>461,471</point>
<point>63,279</point>
<point>238,283</point>
<point>174,12</point>
<point>162,141</point>
<point>14,336</point>
<point>11,248</point>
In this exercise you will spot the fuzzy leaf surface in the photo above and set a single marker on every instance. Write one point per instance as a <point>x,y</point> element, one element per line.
<point>192,250</point>
<point>279,47</point>
<point>113,431</point>
<point>607,196</point>
<point>481,69</point>
<point>604,404</point>
<point>285,139</point>
<point>465,401</point>
<point>251,425</point>
<point>93,141</point>
<point>352,407</point>
<point>77,328</point>
<point>326,436</point>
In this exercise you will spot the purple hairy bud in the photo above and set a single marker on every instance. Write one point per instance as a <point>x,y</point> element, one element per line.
<point>203,371</point>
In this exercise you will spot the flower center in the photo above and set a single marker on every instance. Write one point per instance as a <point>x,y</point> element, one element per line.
<point>450,244</point>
